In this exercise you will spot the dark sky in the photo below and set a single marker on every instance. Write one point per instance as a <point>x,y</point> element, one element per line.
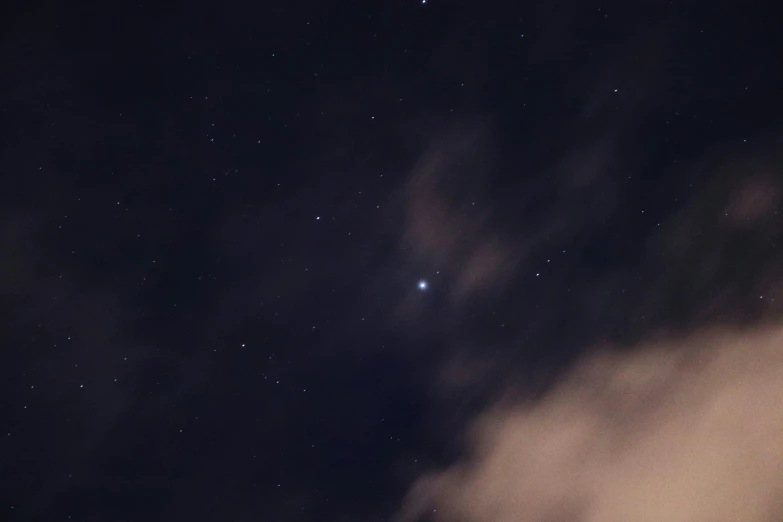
<point>215,216</point>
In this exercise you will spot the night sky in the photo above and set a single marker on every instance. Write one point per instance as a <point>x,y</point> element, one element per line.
<point>391,261</point>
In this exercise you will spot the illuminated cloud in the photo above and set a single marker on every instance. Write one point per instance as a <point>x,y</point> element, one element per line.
<point>687,429</point>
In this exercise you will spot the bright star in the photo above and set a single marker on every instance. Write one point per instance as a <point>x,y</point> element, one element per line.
<point>422,285</point>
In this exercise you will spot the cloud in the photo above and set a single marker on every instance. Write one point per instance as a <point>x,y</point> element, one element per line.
<point>442,223</point>
<point>684,429</point>
<point>684,424</point>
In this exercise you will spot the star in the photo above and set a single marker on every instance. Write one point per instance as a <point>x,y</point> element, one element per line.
<point>422,285</point>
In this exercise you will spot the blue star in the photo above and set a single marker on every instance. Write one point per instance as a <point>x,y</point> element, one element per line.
<point>422,285</point>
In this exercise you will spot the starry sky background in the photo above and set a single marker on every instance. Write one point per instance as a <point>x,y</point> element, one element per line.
<point>215,217</point>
